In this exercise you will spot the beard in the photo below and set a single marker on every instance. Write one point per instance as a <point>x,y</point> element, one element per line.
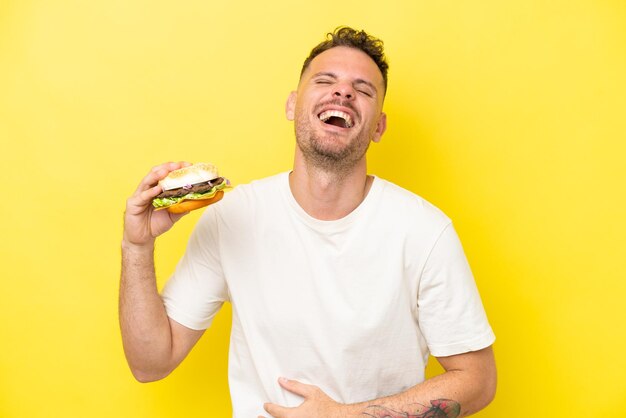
<point>326,150</point>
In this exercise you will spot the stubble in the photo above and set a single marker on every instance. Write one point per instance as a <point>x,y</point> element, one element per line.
<point>326,150</point>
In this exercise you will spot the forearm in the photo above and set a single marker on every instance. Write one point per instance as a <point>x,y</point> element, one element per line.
<point>445,396</point>
<point>458,392</point>
<point>145,328</point>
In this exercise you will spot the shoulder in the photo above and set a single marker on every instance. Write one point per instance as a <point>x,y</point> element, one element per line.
<point>256,191</point>
<point>243,201</point>
<point>409,207</point>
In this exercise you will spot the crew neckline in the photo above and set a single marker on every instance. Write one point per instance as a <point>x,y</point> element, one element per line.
<point>336,225</point>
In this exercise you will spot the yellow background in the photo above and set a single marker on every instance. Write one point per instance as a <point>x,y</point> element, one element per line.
<point>508,115</point>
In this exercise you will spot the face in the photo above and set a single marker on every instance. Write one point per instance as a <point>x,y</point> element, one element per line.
<point>337,109</point>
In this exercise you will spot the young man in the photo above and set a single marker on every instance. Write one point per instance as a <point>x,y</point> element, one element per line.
<point>341,283</point>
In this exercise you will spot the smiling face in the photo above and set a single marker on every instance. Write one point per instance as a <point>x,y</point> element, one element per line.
<point>337,109</point>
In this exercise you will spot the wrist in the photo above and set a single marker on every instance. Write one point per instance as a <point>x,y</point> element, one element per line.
<point>350,411</point>
<point>343,410</point>
<point>130,247</point>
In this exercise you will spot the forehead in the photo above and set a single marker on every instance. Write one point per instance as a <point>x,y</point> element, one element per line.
<point>346,62</point>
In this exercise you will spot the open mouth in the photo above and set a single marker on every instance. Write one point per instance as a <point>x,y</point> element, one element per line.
<point>336,118</point>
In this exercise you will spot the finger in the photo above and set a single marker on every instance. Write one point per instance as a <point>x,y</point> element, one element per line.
<point>170,165</point>
<point>149,194</point>
<point>149,188</point>
<point>161,171</point>
<point>176,216</point>
<point>296,387</point>
<point>143,198</point>
<point>277,411</point>
<point>152,179</point>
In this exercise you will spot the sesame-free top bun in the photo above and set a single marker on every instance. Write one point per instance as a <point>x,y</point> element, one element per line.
<point>189,205</point>
<point>193,174</point>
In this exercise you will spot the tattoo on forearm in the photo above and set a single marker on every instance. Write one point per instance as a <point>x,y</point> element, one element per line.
<point>439,408</point>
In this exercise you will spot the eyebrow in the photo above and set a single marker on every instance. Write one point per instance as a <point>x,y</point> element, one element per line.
<point>357,81</point>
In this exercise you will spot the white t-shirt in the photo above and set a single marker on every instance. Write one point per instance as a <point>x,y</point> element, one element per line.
<point>353,306</point>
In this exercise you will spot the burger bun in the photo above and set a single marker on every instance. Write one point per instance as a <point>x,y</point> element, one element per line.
<point>197,173</point>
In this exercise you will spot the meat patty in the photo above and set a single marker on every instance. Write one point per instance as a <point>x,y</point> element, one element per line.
<point>195,188</point>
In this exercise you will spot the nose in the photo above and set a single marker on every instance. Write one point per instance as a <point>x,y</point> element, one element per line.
<point>344,90</point>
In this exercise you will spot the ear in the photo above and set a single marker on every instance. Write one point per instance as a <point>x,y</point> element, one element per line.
<point>290,106</point>
<point>381,127</point>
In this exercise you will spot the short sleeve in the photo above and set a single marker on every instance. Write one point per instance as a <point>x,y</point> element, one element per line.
<point>450,312</point>
<point>197,289</point>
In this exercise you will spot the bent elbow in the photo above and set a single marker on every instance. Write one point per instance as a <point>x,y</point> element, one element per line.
<point>144,378</point>
<point>490,385</point>
<point>147,376</point>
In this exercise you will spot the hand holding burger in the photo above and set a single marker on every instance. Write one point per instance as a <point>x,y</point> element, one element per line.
<point>190,188</point>
<point>143,223</point>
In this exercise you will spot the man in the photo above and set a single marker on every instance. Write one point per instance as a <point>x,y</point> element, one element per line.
<point>341,283</point>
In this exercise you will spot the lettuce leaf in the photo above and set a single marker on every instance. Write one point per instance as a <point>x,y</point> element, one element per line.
<point>169,201</point>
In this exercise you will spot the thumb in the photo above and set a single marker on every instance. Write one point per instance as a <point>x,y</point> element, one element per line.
<point>296,387</point>
<point>176,216</point>
<point>276,411</point>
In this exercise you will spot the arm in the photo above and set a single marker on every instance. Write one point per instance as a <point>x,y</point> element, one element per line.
<point>154,344</point>
<point>468,385</point>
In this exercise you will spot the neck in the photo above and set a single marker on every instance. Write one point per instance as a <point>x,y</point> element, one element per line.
<point>327,195</point>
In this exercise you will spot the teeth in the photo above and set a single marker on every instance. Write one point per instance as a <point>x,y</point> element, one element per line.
<point>324,116</point>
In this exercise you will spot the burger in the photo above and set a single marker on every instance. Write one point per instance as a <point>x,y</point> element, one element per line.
<point>190,188</point>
